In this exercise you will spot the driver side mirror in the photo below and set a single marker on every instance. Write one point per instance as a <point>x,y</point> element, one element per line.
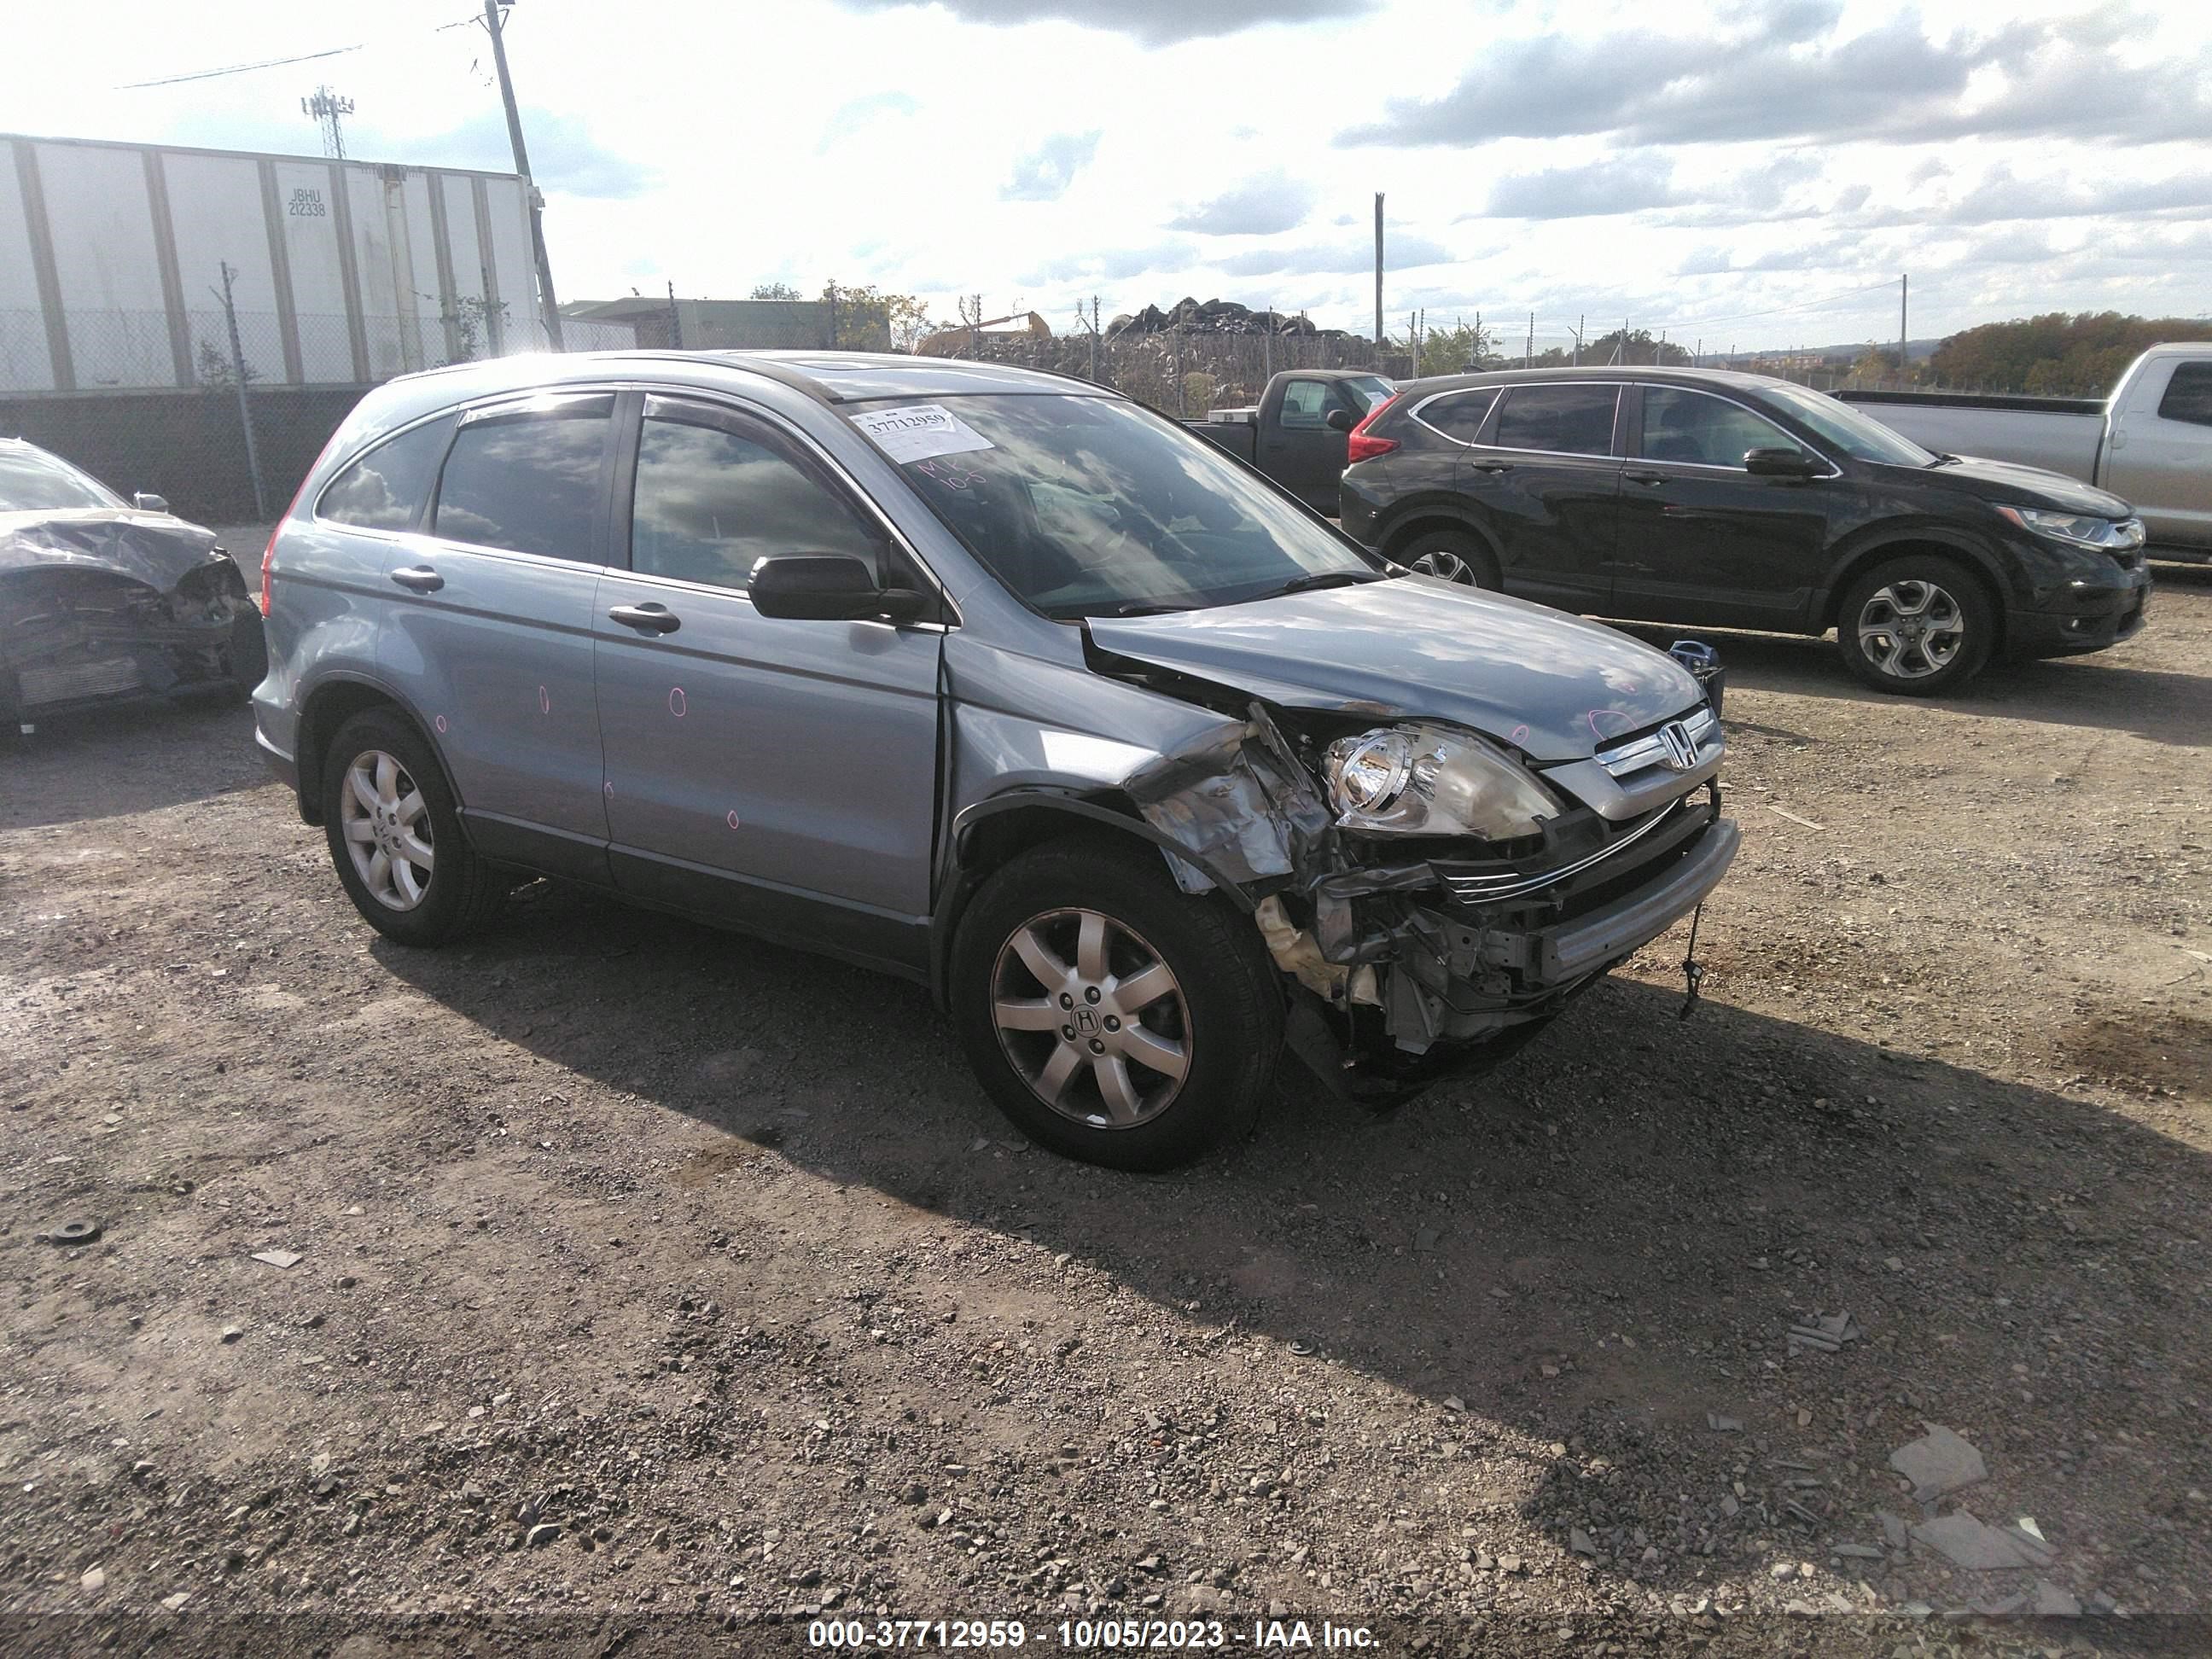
<point>1780,463</point>
<point>146,503</point>
<point>1339,420</point>
<point>828,587</point>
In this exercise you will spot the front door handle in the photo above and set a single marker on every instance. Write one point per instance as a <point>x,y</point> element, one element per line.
<point>651,619</point>
<point>1645,478</point>
<point>1493,466</point>
<point>419,578</point>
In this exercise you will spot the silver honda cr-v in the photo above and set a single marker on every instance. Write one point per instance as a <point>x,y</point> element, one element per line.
<point>990,679</point>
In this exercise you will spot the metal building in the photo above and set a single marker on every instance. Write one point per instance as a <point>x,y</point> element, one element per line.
<point>345,273</point>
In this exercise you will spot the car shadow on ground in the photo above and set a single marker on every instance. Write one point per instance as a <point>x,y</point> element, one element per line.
<point>112,760</point>
<point>2101,690</point>
<point>1601,1243</point>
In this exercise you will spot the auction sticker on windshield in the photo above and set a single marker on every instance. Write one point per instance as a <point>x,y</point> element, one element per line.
<point>918,431</point>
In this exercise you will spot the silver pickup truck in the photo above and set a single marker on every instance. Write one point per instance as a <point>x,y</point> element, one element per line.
<point>2149,442</point>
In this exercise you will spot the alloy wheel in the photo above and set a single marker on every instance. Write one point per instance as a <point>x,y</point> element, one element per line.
<point>387,825</point>
<point>1911,630</point>
<point>1092,1018</point>
<point>1448,565</point>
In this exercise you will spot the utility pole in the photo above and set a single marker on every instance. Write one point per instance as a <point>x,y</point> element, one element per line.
<point>1903,332</point>
<point>237,381</point>
<point>830,289</point>
<point>547,303</point>
<point>1378,279</point>
<point>675,321</point>
<point>326,106</point>
<point>1094,338</point>
<point>1529,359</point>
<point>1581,323</point>
<point>1267,346</point>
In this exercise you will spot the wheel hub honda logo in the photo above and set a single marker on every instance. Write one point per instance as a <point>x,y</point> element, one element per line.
<point>1681,749</point>
<point>1085,1021</point>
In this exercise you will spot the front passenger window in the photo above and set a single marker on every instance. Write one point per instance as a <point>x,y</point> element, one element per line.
<point>710,505</point>
<point>1704,431</point>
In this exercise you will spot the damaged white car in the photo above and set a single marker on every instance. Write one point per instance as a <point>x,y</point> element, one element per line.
<point>990,679</point>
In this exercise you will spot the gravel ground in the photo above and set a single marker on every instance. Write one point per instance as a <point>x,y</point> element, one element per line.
<point>651,1283</point>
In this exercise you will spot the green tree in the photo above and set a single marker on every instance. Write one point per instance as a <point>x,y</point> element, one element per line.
<point>864,309</point>
<point>773,291</point>
<point>2056,355</point>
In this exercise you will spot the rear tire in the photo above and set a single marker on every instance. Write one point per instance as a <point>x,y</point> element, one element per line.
<point>395,834</point>
<point>1173,1015</point>
<point>1452,557</point>
<point>1917,625</point>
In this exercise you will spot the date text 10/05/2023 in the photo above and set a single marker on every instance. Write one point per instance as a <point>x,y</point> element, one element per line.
<point>1094,1635</point>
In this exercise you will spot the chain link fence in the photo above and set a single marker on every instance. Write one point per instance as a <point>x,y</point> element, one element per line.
<point>225,427</point>
<point>1183,373</point>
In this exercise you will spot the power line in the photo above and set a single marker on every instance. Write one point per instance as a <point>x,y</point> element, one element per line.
<point>1779,311</point>
<point>238,69</point>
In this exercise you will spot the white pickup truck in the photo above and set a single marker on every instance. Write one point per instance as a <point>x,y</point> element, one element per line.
<point>2150,442</point>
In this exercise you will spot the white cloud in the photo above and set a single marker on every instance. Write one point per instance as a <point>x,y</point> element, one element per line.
<point>1768,165</point>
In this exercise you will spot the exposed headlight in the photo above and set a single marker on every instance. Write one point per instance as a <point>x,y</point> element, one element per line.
<point>1424,780</point>
<point>2083,530</point>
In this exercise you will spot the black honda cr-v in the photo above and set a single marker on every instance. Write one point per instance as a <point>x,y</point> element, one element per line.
<point>1737,500</point>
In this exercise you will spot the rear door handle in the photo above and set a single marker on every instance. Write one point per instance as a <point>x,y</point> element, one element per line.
<point>1493,466</point>
<point>651,619</point>
<point>419,578</point>
<point>1645,478</point>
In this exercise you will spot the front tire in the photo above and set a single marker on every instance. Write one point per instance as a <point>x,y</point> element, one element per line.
<point>1917,625</point>
<point>395,833</point>
<point>1113,1017</point>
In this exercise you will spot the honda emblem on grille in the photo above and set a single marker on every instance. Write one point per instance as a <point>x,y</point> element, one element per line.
<point>1681,749</point>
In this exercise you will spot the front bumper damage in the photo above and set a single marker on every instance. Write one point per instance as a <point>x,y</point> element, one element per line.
<point>92,612</point>
<point>1409,964</point>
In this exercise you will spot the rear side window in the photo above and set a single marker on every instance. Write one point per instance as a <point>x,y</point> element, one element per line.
<point>2189,395</point>
<point>527,479</point>
<point>1567,419</point>
<point>1458,414</point>
<point>711,503</point>
<point>385,489</point>
<point>1306,404</point>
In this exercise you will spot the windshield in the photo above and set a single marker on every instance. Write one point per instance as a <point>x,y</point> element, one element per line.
<point>32,481</point>
<point>1370,390</point>
<point>1090,507</point>
<point>1858,436</point>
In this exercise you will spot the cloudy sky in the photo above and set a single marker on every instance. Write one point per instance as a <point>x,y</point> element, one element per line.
<point>1748,174</point>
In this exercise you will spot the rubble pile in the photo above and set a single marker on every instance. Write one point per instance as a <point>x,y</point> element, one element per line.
<point>1190,316</point>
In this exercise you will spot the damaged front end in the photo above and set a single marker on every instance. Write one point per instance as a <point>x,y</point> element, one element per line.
<point>1432,895</point>
<point>94,609</point>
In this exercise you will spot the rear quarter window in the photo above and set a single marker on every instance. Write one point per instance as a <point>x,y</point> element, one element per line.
<point>1458,415</point>
<point>387,488</point>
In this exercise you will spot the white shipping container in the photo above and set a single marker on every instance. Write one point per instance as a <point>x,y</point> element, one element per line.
<point>343,272</point>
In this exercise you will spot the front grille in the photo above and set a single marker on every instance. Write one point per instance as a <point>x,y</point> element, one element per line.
<point>1702,740</point>
<point>1584,877</point>
<point>48,683</point>
<point>1489,886</point>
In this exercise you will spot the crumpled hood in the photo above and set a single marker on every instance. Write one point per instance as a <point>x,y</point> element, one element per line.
<point>2021,486</point>
<point>1552,685</point>
<point>154,547</point>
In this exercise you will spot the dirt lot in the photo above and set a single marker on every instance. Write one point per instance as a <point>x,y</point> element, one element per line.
<point>653,1283</point>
